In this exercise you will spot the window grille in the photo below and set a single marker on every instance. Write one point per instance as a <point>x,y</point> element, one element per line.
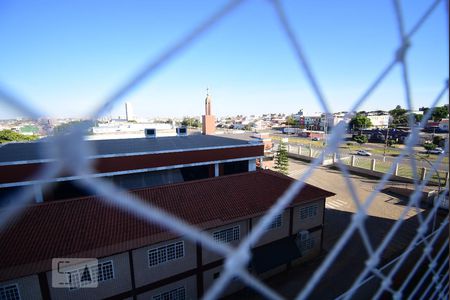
<point>227,235</point>
<point>308,212</point>
<point>276,222</point>
<point>175,294</point>
<point>165,253</point>
<point>101,272</point>
<point>9,292</point>
<point>105,271</point>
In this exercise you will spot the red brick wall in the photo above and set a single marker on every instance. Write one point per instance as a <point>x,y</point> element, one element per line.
<point>208,124</point>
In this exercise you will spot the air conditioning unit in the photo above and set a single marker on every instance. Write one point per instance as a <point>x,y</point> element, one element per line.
<point>150,133</point>
<point>181,131</point>
<point>303,235</point>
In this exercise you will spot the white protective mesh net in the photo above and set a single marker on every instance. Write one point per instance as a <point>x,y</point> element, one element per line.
<point>431,284</point>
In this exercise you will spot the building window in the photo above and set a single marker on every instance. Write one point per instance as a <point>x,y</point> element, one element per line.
<point>9,292</point>
<point>165,253</point>
<point>227,235</point>
<point>105,271</point>
<point>175,294</point>
<point>308,212</point>
<point>306,241</point>
<point>101,272</point>
<point>276,222</point>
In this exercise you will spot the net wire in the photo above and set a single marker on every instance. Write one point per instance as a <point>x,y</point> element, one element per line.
<point>236,259</point>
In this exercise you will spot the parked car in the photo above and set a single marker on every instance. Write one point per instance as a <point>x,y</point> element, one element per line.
<point>316,139</point>
<point>436,151</point>
<point>363,153</point>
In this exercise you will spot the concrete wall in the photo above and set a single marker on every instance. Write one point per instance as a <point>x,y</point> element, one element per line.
<point>305,224</point>
<point>325,162</point>
<point>28,287</point>
<point>189,283</point>
<point>144,274</point>
<point>119,284</point>
<point>276,233</point>
<point>209,256</point>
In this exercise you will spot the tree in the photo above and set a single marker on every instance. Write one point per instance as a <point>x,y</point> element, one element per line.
<point>429,146</point>
<point>248,127</point>
<point>7,136</point>
<point>418,118</point>
<point>440,113</point>
<point>360,139</point>
<point>360,121</point>
<point>391,142</point>
<point>399,116</point>
<point>438,140</point>
<point>281,159</point>
<point>190,122</point>
<point>291,121</point>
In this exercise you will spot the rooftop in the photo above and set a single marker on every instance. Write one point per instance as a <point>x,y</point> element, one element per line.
<point>32,151</point>
<point>87,227</point>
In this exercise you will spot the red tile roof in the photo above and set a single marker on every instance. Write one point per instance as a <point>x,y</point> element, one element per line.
<point>87,227</point>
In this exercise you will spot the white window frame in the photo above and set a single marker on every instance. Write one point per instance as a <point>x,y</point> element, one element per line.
<point>164,295</point>
<point>217,235</point>
<point>308,212</point>
<point>15,288</point>
<point>100,265</point>
<point>161,254</point>
<point>75,275</point>
<point>276,222</point>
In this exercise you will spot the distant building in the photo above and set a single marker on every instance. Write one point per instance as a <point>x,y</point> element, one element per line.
<point>336,118</point>
<point>129,111</point>
<point>121,127</point>
<point>380,119</point>
<point>443,125</point>
<point>432,126</point>
<point>312,122</point>
<point>208,120</point>
<point>298,115</point>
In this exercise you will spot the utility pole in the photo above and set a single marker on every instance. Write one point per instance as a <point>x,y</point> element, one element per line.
<point>385,143</point>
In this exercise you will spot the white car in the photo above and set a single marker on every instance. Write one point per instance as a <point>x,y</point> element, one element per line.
<point>436,151</point>
<point>363,153</point>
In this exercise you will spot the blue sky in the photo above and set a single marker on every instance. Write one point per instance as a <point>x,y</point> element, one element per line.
<point>66,57</point>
